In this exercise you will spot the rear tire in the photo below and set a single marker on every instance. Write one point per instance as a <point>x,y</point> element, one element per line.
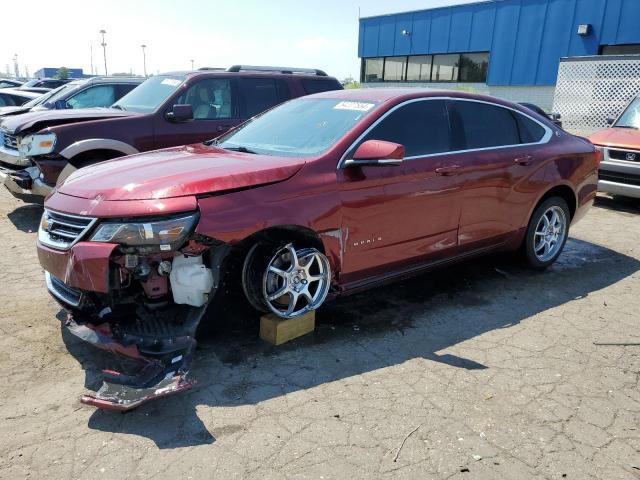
<point>547,233</point>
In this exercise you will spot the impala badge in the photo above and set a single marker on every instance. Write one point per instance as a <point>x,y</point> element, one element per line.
<point>631,157</point>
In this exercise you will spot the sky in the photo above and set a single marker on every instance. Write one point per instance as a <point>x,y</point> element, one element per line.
<point>212,33</point>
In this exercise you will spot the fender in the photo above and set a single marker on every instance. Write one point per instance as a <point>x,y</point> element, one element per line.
<point>97,144</point>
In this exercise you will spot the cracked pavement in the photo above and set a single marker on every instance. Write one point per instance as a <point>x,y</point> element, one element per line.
<point>481,371</point>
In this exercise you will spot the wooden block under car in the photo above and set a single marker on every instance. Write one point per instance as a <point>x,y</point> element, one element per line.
<point>277,331</point>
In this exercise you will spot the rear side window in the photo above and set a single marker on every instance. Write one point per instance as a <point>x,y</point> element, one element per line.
<point>320,85</point>
<point>481,125</point>
<point>97,96</point>
<point>422,127</point>
<point>530,131</point>
<point>123,88</point>
<point>260,94</point>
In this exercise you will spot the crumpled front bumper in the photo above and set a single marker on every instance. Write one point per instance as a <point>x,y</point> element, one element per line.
<point>25,184</point>
<point>164,366</point>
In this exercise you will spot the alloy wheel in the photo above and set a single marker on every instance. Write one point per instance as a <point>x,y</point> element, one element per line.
<point>296,281</point>
<point>549,234</point>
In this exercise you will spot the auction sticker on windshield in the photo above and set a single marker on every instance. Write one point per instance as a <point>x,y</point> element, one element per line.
<point>356,106</point>
<point>170,81</point>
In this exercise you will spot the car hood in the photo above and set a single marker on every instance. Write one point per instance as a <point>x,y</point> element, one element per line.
<point>46,118</point>
<point>6,111</point>
<point>617,137</point>
<point>175,172</point>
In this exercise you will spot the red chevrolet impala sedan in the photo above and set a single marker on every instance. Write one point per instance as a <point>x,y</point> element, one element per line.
<point>321,196</point>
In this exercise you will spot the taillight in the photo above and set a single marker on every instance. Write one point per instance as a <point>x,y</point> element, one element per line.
<point>598,154</point>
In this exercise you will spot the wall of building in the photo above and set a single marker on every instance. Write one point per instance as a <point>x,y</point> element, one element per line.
<point>50,72</point>
<point>525,38</point>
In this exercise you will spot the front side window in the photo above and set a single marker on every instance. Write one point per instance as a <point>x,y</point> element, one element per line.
<point>96,96</point>
<point>151,94</point>
<point>373,68</point>
<point>260,94</point>
<point>394,69</point>
<point>210,99</point>
<point>421,127</point>
<point>419,68</point>
<point>482,125</point>
<point>630,118</point>
<point>473,67</point>
<point>303,127</point>
<point>445,68</point>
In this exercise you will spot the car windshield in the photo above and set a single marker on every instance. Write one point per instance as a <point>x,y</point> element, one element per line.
<point>59,93</point>
<point>631,116</point>
<point>150,94</point>
<point>303,127</point>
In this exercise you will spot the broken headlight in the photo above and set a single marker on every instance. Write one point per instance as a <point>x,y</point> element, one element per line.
<point>38,144</point>
<point>165,235</point>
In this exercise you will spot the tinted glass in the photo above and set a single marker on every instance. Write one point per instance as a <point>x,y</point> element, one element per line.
<point>530,131</point>
<point>394,69</point>
<point>473,67</point>
<point>123,88</point>
<point>260,94</point>
<point>150,94</point>
<point>483,125</point>
<point>61,93</point>
<point>91,97</point>
<point>630,118</point>
<point>419,68</point>
<point>317,85</point>
<point>445,68</point>
<point>422,127</point>
<point>302,127</point>
<point>620,49</point>
<point>373,69</point>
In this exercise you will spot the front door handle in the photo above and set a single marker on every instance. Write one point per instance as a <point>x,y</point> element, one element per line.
<point>222,128</point>
<point>448,170</point>
<point>526,160</point>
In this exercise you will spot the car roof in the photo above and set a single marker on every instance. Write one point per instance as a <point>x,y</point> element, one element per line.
<point>114,79</point>
<point>247,73</point>
<point>20,93</point>
<point>385,94</point>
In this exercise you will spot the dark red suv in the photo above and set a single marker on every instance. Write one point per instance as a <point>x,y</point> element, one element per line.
<point>324,195</point>
<point>38,149</point>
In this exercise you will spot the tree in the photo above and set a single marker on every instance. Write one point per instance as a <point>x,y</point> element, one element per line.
<point>62,73</point>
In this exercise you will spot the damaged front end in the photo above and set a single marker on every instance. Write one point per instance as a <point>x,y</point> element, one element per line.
<point>137,288</point>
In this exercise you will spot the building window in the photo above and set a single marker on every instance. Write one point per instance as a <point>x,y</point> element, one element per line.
<point>451,67</point>
<point>630,49</point>
<point>395,69</point>
<point>473,67</point>
<point>419,68</point>
<point>445,68</point>
<point>373,68</point>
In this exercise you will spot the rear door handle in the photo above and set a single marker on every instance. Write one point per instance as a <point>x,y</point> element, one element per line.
<point>526,160</point>
<point>448,170</point>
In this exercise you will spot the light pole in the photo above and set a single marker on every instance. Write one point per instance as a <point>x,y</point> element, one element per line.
<point>191,64</point>
<point>144,59</point>
<point>16,70</point>
<point>104,51</point>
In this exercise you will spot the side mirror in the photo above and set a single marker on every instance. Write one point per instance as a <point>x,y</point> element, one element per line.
<point>60,105</point>
<point>180,113</point>
<point>377,153</point>
<point>556,116</point>
<point>610,121</point>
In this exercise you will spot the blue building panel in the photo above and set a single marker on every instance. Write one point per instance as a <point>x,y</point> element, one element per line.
<point>525,38</point>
